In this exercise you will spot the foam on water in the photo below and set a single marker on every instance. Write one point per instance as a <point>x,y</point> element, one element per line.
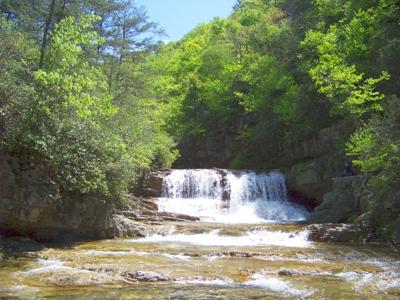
<point>276,285</point>
<point>52,266</point>
<point>258,280</point>
<point>250,238</point>
<point>212,282</point>
<point>115,253</point>
<point>18,288</point>
<point>229,197</point>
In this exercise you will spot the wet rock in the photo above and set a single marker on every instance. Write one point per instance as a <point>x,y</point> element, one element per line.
<point>234,254</point>
<point>240,254</point>
<point>290,272</point>
<point>140,276</point>
<point>98,269</point>
<point>150,203</point>
<point>337,233</point>
<point>152,186</point>
<point>196,278</point>
<point>166,216</point>
<point>192,254</point>
<point>245,272</point>
<point>77,277</point>
<point>125,227</point>
<point>215,255</point>
<point>19,246</point>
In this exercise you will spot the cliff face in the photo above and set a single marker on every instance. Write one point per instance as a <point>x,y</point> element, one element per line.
<point>342,202</point>
<point>314,172</point>
<point>32,205</point>
<point>310,165</point>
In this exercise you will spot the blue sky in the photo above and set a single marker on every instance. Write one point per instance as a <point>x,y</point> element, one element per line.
<point>178,17</point>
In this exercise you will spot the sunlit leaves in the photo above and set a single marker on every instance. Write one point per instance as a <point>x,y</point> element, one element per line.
<point>376,146</point>
<point>334,71</point>
<point>69,77</point>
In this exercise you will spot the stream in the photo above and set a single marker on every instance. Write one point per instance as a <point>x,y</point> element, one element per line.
<point>249,244</point>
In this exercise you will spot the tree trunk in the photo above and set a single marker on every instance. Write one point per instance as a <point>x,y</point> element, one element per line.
<point>46,33</point>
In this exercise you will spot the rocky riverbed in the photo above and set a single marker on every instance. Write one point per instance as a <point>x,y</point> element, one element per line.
<point>194,260</point>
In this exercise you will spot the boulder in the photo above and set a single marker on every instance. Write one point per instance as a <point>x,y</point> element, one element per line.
<point>126,227</point>
<point>308,181</point>
<point>340,204</point>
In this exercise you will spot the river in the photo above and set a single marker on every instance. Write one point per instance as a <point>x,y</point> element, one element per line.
<point>249,244</point>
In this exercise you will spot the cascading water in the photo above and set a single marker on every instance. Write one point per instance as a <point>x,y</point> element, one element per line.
<point>229,197</point>
<point>215,260</point>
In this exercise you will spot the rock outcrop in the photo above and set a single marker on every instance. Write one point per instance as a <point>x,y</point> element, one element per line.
<point>32,205</point>
<point>326,142</point>
<point>308,181</point>
<point>310,165</point>
<point>152,183</point>
<point>145,210</point>
<point>340,204</point>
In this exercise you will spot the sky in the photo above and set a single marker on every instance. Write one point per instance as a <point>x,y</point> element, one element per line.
<point>178,17</point>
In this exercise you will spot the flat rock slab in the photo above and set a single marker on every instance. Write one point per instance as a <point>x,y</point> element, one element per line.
<point>337,233</point>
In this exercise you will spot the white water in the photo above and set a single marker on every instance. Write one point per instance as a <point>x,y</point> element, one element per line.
<point>249,239</point>
<point>258,280</point>
<point>229,197</point>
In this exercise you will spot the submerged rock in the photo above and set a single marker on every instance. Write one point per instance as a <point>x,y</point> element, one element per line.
<point>290,272</point>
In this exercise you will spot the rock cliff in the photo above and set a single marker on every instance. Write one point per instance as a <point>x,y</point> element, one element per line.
<point>310,165</point>
<point>32,205</point>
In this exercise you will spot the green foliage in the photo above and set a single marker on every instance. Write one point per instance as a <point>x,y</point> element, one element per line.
<point>111,101</point>
<point>339,80</point>
<point>376,146</point>
<point>91,134</point>
<point>346,53</point>
<point>225,81</point>
<point>75,85</point>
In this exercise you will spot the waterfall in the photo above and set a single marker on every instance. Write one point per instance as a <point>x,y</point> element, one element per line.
<point>226,196</point>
